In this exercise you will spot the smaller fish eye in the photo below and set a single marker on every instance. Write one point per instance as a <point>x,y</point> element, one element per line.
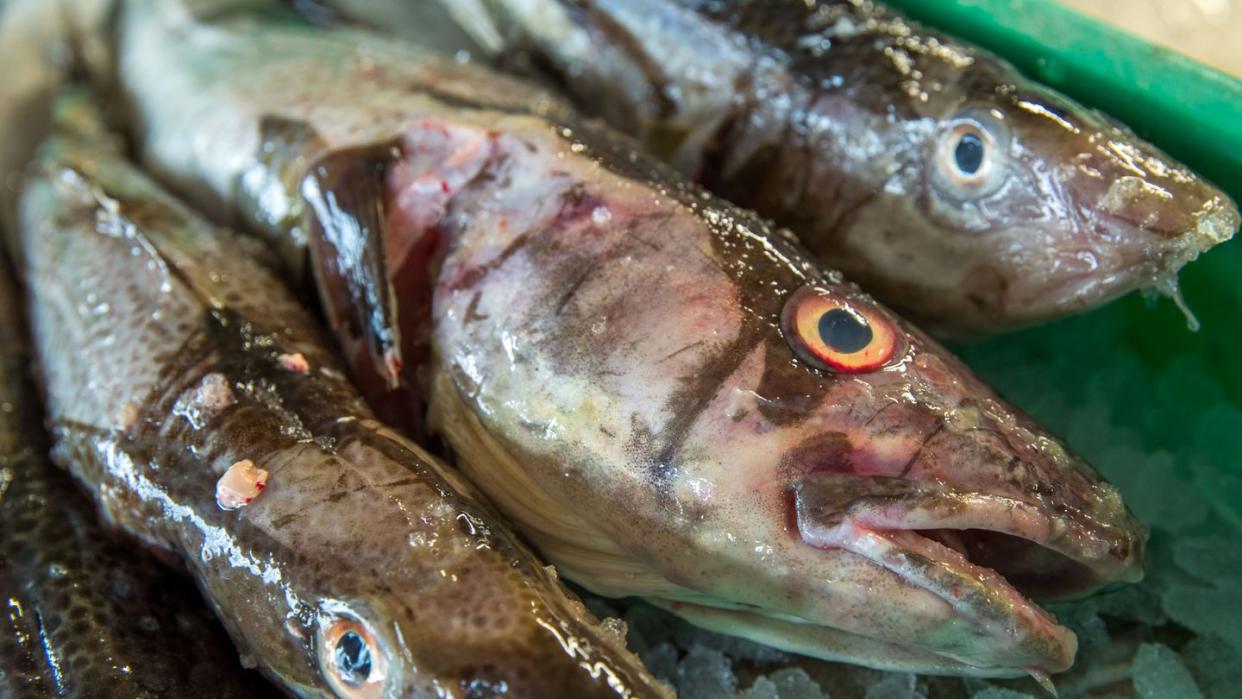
<point>353,658</point>
<point>968,155</point>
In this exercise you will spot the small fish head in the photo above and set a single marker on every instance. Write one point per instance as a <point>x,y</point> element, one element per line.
<point>1061,208</point>
<point>404,588</point>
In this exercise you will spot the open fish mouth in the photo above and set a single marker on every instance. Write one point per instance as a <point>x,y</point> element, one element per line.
<point>986,556</point>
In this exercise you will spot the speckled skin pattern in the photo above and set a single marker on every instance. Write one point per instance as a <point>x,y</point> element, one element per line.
<point>86,613</point>
<point>605,355</point>
<point>829,116</point>
<point>139,310</point>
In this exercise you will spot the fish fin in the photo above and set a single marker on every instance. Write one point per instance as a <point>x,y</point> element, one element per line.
<point>345,193</point>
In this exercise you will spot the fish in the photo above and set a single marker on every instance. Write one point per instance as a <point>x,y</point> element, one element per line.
<point>84,613</point>
<point>929,171</point>
<point>203,409</point>
<point>668,395</point>
<point>46,39</point>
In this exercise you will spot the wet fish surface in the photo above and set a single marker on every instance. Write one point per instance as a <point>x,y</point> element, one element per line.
<point>927,170</point>
<point>197,401</point>
<point>85,613</point>
<point>668,395</point>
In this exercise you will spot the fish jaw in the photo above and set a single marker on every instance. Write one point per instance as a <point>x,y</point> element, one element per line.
<point>927,535</point>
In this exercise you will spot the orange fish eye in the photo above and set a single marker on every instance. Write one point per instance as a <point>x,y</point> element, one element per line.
<point>829,332</point>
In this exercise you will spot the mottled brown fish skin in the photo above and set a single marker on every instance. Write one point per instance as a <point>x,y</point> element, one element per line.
<point>86,613</point>
<point>180,369</point>
<point>841,120</point>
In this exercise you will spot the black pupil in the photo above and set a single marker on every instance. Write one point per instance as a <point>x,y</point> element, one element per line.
<point>969,154</point>
<point>844,331</point>
<point>353,657</point>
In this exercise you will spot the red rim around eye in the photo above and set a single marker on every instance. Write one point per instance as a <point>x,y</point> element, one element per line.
<point>829,332</point>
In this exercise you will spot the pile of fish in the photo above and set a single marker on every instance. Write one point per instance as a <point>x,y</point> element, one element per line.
<point>546,352</point>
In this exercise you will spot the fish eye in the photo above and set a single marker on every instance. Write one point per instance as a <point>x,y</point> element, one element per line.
<point>970,155</point>
<point>830,332</point>
<point>350,658</point>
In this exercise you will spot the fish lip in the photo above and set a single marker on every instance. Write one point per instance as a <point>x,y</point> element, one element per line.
<point>1131,255</point>
<point>885,527</point>
<point>1215,223</point>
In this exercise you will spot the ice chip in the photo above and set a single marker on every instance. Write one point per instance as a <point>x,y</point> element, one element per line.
<point>1219,430</point>
<point>1139,603</point>
<point>1221,484</point>
<point>1216,666</point>
<point>1001,693</point>
<point>763,688</point>
<point>705,674</point>
<point>648,626</point>
<point>1084,619</point>
<point>661,661</point>
<point>790,683</point>
<point>794,683</point>
<point>1185,383</point>
<point>688,635</point>
<point>895,686</point>
<point>1213,558</point>
<point>1159,673</point>
<point>1106,445</point>
<point>1154,489</point>
<point>1207,611</point>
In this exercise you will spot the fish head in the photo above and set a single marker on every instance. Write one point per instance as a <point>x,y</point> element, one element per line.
<point>744,437</point>
<point>912,486</point>
<point>1056,207</point>
<point>404,587</point>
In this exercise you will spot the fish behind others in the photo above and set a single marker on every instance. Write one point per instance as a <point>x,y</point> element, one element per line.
<point>929,171</point>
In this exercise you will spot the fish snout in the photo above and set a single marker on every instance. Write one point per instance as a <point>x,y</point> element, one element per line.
<point>1158,214</point>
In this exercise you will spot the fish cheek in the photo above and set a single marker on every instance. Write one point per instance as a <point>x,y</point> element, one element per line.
<point>789,390</point>
<point>986,289</point>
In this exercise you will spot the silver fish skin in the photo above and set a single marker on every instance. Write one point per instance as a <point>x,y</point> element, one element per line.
<point>635,371</point>
<point>360,567</point>
<point>86,613</point>
<point>929,171</point>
